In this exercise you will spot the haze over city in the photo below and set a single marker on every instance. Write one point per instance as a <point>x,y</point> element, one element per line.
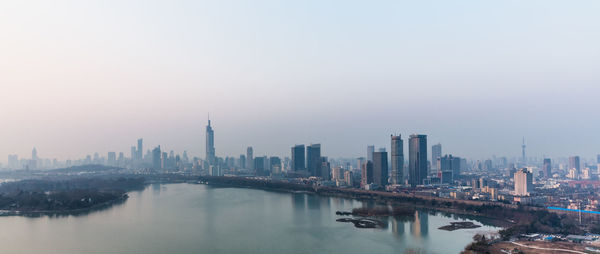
<point>85,77</point>
<point>316,126</point>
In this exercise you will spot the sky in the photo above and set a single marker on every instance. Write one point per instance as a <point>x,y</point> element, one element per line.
<point>78,77</point>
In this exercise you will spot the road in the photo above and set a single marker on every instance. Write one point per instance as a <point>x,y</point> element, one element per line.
<point>551,249</point>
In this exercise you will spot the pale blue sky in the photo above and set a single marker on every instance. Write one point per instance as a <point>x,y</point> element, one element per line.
<point>85,76</point>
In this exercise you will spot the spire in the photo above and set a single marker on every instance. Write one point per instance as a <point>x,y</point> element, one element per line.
<point>523,151</point>
<point>208,119</point>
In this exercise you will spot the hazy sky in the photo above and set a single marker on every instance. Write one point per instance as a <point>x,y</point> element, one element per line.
<point>83,76</point>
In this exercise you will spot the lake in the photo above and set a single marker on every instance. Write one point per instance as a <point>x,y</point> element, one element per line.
<point>193,218</point>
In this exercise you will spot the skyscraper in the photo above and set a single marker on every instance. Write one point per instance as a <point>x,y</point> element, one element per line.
<point>523,182</point>
<point>370,151</point>
<point>397,154</point>
<point>34,155</point>
<point>547,168</point>
<point>275,165</point>
<point>242,161</point>
<point>313,159</point>
<point>436,153</point>
<point>449,165</point>
<point>140,150</point>
<point>325,169</point>
<point>111,159</point>
<point>298,158</point>
<point>380,168</point>
<point>574,164</point>
<point>249,158</point>
<point>417,159</point>
<point>156,158</point>
<point>13,161</point>
<point>366,174</point>
<point>259,165</point>
<point>133,154</point>
<point>210,144</point>
<point>33,163</point>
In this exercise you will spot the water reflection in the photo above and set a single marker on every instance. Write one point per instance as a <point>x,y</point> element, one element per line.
<point>397,225</point>
<point>187,218</point>
<point>314,202</point>
<point>419,228</point>
<point>299,201</point>
<point>156,188</point>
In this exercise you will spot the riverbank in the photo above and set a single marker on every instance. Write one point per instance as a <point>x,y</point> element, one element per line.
<point>477,209</point>
<point>79,211</point>
<point>64,197</point>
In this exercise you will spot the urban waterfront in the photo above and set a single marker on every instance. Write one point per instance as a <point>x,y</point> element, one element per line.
<point>190,218</point>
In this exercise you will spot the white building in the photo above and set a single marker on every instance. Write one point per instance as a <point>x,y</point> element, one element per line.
<point>523,182</point>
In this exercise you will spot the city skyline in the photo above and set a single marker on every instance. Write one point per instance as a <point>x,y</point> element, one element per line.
<point>137,152</point>
<point>337,126</point>
<point>460,73</point>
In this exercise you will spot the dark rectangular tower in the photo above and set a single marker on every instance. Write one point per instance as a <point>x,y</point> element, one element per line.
<point>380,168</point>
<point>397,156</point>
<point>547,168</point>
<point>417,159</point>
<point>313,159</point>
<point>298,158</point>
<point>436,153</point>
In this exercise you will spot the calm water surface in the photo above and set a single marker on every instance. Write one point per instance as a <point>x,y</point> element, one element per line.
<point>188,218</point>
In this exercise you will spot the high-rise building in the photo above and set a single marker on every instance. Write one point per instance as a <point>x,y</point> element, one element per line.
<point>34,155</point>
<point>586,174</point>
<point>397,156</point>
<point>573,173</point>
<point>313,159</point>
<point>249,158</point>
<point>523,182</point>
<point>242,161</point>
<point>574,164</point>
<point>325,170</point>
<point>366,174</point>
<point>164,160</point>
<point>112,159</point>
<point>140,150</point>
<point>417,159</point>
<point>133,154</point>
<point>547,168</point>
<point>156,158</point>
<point>446,176</point>
<point>275,165</point>
<point>33,163</point>
<point>436,153</point>
<point>210,144</point>
<point>380,169</point>
<point>121,160</point>
<point>13,161</point>
<point>370,151</point>
<point>451,164</point>
<point>259,165</point>
<point>348,178</point>
<point>298,158</point>
<point>360,161</point>
<point>337,173</point>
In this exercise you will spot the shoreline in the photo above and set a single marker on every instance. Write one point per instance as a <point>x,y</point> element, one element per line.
<point>38,213</point>
<point>373,196</point>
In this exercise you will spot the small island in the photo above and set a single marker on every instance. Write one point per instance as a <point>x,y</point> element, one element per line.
<point>363,222</point>
<point>459,225</point>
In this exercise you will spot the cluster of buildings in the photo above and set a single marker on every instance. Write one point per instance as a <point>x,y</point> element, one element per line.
<point>562,182</point>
